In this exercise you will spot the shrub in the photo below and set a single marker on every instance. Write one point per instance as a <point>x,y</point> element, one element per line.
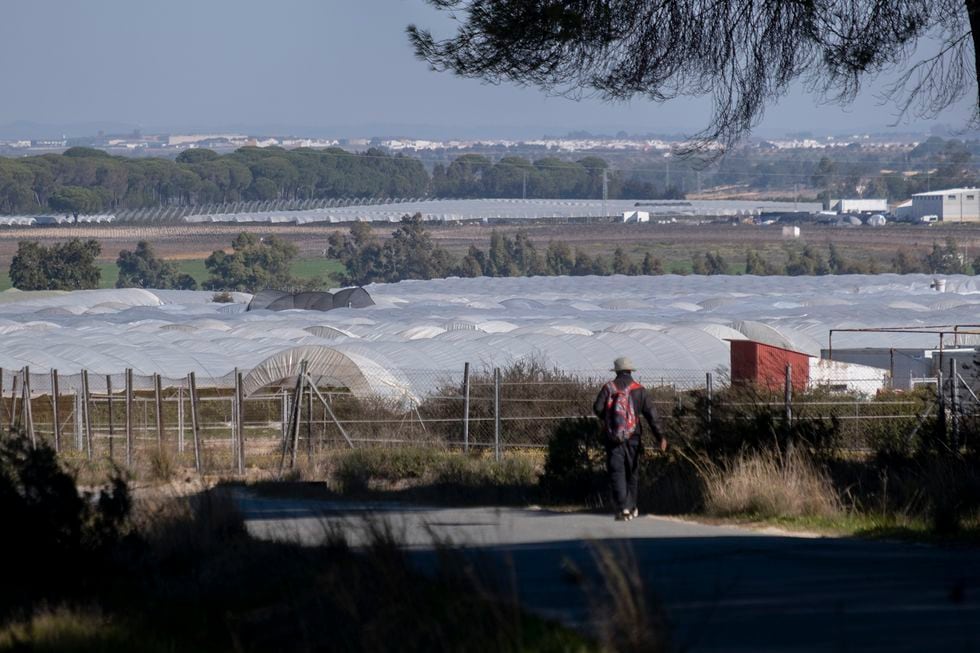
<point>763,485</point>
<point>222,298</point>
<point>62,536</point>
<point>574,467</point>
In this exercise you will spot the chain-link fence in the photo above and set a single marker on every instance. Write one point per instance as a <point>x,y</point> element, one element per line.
<point>210,424</point>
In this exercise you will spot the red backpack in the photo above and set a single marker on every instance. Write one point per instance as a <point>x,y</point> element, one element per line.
<point>620,416</point>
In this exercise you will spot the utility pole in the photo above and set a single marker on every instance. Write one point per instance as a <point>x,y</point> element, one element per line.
<point>667,183</point>
<point>605,193</point>
<point>524,187</point>
<point>796,197</point>
<point>698,173</point>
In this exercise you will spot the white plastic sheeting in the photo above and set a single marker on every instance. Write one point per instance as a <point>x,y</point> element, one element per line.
<point>510,209</point>
<point>421,332</point>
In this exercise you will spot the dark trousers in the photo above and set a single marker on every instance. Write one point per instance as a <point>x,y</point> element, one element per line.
<point>623,465</point>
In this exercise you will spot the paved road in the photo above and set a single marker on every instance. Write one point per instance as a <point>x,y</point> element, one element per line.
<point>724,588</point>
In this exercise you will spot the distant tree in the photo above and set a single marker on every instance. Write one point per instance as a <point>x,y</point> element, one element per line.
<point>197,155</point>
<point>905,263</point>
<point>499,258</point>
<point>253,265</point>
<point>558,259</point>
<point>27,269</point>
<point>411,253</point>
<point>601,266</point>
<point>583,264</point>
<point>945,259</point>
<point>141,268</point>
<point>621,263</point>
<point>699,264</point>
<point>64,266</point>
<point>754,263</point>
<point>361,253</point>
<point>85,152</point>
<point>715,263</point>
<point>525,255</point>
<point>76,200</point>
<point>470,265</point>
<point>651,265</point>
<point>808,262</point>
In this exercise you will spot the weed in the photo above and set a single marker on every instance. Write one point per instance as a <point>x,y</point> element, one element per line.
<point>763,484</point>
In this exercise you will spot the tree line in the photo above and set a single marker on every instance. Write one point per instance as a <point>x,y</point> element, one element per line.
<point>412,254</point>
<point>84,180</point>
<point>253,264</point>
<point>256,263</point>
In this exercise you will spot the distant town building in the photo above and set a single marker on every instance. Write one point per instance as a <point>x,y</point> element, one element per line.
<point>950,205</point>
<point>188,139</point>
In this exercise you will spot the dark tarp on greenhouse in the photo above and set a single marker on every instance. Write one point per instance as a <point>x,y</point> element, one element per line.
<point>277,300</point>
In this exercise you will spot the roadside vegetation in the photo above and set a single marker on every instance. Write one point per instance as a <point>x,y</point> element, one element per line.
<point>104,571</point>
<point>898,473</point>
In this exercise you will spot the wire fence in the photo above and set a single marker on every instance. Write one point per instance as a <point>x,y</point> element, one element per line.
<point>210,423</point>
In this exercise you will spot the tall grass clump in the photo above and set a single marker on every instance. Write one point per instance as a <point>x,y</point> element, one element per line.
<point>766,485</point>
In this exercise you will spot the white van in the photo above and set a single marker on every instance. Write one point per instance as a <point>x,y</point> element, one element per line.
<point>929,218</point>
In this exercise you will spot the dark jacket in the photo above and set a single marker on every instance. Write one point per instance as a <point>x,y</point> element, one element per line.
<point>642,405</point>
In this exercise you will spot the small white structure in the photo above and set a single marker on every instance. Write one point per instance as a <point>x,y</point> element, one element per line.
<point>847,377</point>
<point>791,232</point>
<point>636,216</point>
<point>877,220</point>
<point>859,205</point>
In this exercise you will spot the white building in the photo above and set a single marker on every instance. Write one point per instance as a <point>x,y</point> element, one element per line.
<point>859,205</point>
<point>950,205</point>
<point>636,216</point>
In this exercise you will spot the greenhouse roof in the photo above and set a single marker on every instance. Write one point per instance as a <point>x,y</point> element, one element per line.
<point>509,209</point>
<point>419,333</point>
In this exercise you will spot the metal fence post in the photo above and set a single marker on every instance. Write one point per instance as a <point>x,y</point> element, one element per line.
<point>108,394</point>
<point>195,425</point>
<point>240,423</point>
<point>708,398</point>
<point>86,414</point>
<point>180,419</point>
<point>158,399</point>
<point>129,417</point>
<point>13,402</point>
<point>954,405</point>
<point>466,407</point>
<point>496,413</point>
<point>54,409</point>
<point>297,414</point>
<point>26,404</point>
<point>941,417</point>
<point>788,409</point>
<point>79,440</point>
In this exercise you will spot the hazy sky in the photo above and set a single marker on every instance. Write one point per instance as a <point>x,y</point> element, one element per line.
<point>333,67</point>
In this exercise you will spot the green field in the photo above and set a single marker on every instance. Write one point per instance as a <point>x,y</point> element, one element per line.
<point>303,269</point>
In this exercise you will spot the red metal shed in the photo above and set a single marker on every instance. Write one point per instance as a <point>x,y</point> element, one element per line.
<point>765,365</point>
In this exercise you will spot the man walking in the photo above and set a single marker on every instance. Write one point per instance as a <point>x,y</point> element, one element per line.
<point>619,405</point>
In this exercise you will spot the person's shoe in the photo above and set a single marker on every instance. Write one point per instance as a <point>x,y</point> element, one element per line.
<point>634,513</point>
<point>623,515</point>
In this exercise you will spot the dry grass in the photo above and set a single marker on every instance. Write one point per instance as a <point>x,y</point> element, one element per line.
<point>765,485</point>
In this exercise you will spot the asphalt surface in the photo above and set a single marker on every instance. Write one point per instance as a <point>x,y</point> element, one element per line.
<point>723,588</point>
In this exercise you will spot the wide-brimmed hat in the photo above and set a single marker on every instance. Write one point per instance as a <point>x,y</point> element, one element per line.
<point>623,364</point>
